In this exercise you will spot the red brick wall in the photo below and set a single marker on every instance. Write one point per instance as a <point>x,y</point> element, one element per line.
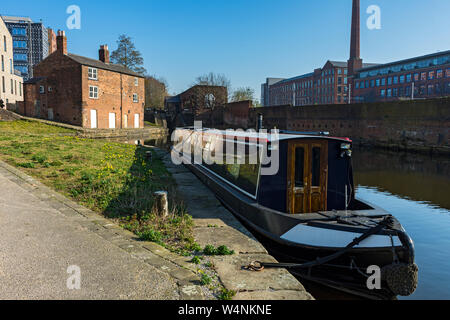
<point>237,113</point>
<point>63,76</point>
<point>109,99</point>
<point>69,95</point>
<point>419,124</point>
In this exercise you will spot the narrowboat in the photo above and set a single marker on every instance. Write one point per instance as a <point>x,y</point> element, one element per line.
<point>295,192</point>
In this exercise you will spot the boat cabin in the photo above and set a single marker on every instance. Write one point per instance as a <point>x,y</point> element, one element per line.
<point>314,171</point>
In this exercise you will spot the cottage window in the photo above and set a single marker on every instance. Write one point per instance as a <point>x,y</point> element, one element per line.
<point>135,98</point>
<point>42,89</point>
<point>136,82</point>
<point>93,73</point>
<point>93,92</point>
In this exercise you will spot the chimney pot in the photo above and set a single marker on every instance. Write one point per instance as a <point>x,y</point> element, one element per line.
<point>61,42</point>
<point>103,53</point>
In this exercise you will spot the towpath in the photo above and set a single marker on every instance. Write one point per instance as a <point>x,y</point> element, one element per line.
<point>43,236</point>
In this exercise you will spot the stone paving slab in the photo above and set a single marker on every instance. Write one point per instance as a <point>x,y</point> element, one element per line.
<point>114,264</point>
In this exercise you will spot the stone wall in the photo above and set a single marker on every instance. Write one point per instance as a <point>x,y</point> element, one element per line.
<point>8,116</point>
<point>420,125</point>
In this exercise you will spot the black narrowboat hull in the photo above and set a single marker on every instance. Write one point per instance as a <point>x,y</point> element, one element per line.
<point>346,273</point>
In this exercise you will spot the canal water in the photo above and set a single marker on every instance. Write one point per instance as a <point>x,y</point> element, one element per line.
<point>416,190</point>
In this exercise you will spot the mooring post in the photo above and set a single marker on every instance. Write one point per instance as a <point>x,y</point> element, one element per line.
<point>162,203</point>
<point>149,156</point>
<point>260,122</point>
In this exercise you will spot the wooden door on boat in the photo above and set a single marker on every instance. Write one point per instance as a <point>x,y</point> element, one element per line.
<point>307,176</point>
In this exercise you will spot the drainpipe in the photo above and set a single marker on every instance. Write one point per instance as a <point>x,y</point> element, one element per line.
<point>121,102</point>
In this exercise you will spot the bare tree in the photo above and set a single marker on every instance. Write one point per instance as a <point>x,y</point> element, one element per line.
<point>213,79</point>
<point>155,92</point>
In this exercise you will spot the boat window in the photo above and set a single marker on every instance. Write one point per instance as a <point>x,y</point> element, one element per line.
<point>316,151</point>
<point>242,174</point>
<point>299,167</point>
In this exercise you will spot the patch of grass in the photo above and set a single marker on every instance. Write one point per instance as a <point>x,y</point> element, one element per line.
<point>113,179</point>
<point>196,260</point>
<point>210,250</point>
<point>205,280</point>
<point>28,165</point>
<point>226,295</point>
<point>40,158</point>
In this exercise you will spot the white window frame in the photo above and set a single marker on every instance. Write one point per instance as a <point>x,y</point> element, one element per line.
<point>92,73</point>
<point>41,89</point>
<point>93,92</point>
<point>136,82</point>
<point>135,98</point>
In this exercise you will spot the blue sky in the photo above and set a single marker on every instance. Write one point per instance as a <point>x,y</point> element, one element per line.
<point>247,40</point>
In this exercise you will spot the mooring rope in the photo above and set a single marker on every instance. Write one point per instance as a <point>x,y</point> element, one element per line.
<point>387,222</point>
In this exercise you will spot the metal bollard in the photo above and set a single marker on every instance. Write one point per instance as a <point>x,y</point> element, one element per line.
<point>162,203</point>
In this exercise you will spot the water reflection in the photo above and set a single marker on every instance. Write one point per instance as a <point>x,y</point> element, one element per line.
<point>414,176</point>
<point>415,189</point>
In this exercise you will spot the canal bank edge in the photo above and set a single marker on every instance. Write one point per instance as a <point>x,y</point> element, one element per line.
<point>215,225</point>
<point>147,133</point>
<point>183,273</point>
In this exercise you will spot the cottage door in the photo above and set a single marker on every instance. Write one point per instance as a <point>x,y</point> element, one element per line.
<point>112,120</point>
<point>137,123</point>
<point>93,119</point>
<point>307,176</point>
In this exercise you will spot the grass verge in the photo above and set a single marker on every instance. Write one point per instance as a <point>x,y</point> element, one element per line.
<point>113,179</point>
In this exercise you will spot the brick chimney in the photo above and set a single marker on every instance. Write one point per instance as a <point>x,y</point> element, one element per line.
<point>355,63</point>
<point>61,42</point>
<point>103,54</point>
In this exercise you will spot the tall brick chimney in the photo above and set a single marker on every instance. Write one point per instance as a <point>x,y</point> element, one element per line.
<point>61,42</point>
<point>355,63</point>
<point>103,54</point>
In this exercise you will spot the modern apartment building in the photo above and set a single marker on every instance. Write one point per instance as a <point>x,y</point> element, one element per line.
<point>11,83</point>
<point>30,43</point>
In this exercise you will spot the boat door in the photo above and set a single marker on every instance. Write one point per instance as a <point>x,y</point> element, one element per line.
<point>307,176</point>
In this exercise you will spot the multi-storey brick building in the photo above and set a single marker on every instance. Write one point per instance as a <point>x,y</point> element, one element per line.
<point>417,78</point>
<point>197,100</point>
<point>355,81</point>
<point>30,43</point>
<point>85,92</point>
<point>327,85</point>
<point>11,90</point>
<point>51,41</point>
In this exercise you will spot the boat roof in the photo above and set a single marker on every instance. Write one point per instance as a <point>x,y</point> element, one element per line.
<point>268,136</point>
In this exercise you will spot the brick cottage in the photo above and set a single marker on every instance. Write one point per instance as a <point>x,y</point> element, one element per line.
<point>84,92</point>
